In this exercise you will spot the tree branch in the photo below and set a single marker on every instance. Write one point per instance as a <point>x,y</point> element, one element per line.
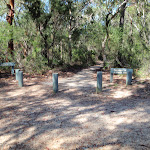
<point>133,22</point>
<point>117,10</point>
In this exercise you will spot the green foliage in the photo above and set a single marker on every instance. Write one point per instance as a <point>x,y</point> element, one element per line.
<point>65,32</point>
<point>5,35</point>
<point>83,56</point>
<point>35,64</point>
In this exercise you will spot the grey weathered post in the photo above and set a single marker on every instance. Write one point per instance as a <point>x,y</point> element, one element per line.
<point>111,77</point>
<point>55,82</point>
<point>129,78</point>
<point>12,70</point>
<point>20,78</point>
<point>16,72</point>
<point>99,82</point>
<point>111,74</point>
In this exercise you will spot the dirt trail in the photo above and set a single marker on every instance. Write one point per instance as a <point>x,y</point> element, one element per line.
<point>33,118</point>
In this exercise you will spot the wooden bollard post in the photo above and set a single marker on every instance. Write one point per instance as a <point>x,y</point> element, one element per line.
<point>20,78</point>
<point>12,70</point>
<point>16,72</point>
<point>111,77</point>
<point>129,78</point>
<point>99,82</point>
<point>55,82</point>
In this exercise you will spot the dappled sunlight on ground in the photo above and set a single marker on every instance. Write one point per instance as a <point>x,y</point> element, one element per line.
<point>33,117</point>
<point>122,94</point>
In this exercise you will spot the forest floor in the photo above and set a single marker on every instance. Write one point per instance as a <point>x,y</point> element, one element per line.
<point>34,118</point>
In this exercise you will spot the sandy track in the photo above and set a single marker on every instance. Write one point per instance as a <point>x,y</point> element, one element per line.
<point>33,117</point>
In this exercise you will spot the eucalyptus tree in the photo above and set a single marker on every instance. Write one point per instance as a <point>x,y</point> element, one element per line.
<point>116,18</point>
<point>9,19</point>
<point>108,11</point>
<point>60,20</point>
<point>7,12</point>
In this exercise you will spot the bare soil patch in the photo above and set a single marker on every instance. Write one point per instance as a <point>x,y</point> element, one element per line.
<point>34,118</point>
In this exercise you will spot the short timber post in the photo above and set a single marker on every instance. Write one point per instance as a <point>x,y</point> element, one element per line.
<point>55,82</point>
<point>129,78</point>
<point>111,77</point>
<point>12,70</point>
<point>20,78</point>
<point>16,72</point>
<point>99,82</point>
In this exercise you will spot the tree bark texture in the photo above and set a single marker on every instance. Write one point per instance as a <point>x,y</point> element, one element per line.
<point>9,18</point>
<point>69,44</point>
<point>121,25</point>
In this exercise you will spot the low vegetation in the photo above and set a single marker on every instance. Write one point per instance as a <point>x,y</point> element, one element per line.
<point>50,34</point>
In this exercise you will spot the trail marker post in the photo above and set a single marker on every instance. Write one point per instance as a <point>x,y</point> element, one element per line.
<point>99,82</point>
<point>55,82</point>
<point>16,72</point>
<point>129,78</point>
<point>20,78</point>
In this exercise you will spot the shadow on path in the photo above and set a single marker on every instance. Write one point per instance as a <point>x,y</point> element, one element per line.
<point>74,118</point>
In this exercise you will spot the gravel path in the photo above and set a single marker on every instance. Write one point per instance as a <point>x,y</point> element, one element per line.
<point>33,118</point>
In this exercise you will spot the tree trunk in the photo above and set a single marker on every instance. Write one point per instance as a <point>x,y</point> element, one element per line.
<point>121,25</point>
<point>105,39</point>
<point>122,14</point>
<point>120,9</point>
<point>52,45</point>
<point>69,44</point>
<point>61,49</point>
<point>103,51</point>
<point>9,19</point>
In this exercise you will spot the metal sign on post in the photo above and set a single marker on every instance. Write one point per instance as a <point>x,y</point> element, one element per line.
<point>129,78</point>
<point>11,64</point>
<point>127,71</point>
